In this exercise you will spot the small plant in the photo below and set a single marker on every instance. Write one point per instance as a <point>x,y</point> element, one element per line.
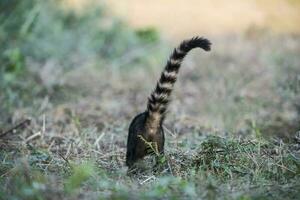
<point>152,145</point>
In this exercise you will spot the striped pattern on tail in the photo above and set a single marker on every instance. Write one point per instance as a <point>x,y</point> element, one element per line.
<point>160,97</point>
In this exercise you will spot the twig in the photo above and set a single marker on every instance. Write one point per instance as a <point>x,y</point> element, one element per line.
<point>149,178</point>
<point>98,140</point>
<point>108,155</point>
<point>214,151</point>
<point>68,151</point>
<point>284,167</point>
<point>170,167</point>
<point>44,126</point>
<point>169,131</point>
<point>51,144</point>
<point>98,152</point>
<point>33,136</point>
<point>26,122</point>
<point>65,159</point>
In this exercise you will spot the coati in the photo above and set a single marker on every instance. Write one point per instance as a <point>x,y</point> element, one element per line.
<point>146,128</point>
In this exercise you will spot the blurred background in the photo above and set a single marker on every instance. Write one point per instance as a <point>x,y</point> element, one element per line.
<point>251,76</point>
<point>178,19</point>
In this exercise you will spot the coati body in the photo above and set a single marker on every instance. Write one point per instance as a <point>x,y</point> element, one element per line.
<point>146,127</point>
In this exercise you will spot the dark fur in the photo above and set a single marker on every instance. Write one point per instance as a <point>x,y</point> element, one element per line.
<point>149,123</point>
<point>136,147</point>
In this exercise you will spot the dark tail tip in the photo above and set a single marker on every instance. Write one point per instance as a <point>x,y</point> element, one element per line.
<point>199,42</point>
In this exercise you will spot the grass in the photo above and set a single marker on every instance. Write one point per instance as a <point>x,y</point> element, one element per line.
<point>217,168</point>
<point>231,132</point>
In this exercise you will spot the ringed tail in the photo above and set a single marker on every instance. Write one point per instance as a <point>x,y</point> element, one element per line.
<point>160,97</point>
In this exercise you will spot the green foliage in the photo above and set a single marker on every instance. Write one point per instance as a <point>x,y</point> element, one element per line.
<point>34,33</point>
<point>79,175</point>
<point>15,62</point>
<point>148,34</point>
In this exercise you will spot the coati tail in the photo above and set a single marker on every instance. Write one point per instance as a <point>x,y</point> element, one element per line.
<point>160,97</point>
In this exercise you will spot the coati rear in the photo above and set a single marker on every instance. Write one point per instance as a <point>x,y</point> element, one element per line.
<point>147,126</point>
